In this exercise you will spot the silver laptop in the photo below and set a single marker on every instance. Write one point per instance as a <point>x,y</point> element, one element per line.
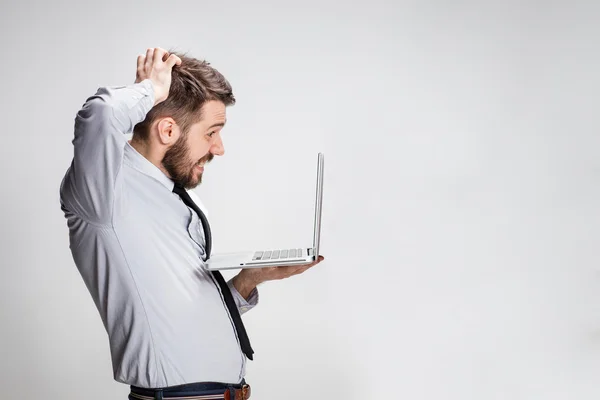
<point>272,257</point>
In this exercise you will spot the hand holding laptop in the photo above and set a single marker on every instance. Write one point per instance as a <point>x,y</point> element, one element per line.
<point>249,278</point>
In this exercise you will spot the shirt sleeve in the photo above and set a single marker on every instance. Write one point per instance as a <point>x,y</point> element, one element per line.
<point>243,304</point>
<point>98,147</point>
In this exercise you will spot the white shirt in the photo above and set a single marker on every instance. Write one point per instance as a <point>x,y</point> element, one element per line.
<point>139,250</point>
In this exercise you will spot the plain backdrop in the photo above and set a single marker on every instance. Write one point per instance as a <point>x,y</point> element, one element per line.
<point>460,225</point>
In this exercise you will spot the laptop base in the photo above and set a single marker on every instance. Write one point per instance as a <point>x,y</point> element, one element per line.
<point>244,259</point>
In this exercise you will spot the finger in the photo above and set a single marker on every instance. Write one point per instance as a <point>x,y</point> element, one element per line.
<point>173,60</point>
<point>140,63</point>
<point>300,269</point>
<point>305,269</point>
<point>158,55</point>
<point>285,271</point>
<point>296,272</point>
<point>293,271</point>
<point>276,274</point>
<point>312,264</point>
<point>149,56</point>
<point>318,260</point>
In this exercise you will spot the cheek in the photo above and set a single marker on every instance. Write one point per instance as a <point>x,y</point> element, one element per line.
<point>197,149</point>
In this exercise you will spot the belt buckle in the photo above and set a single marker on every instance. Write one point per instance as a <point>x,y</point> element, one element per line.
<point>245,392</point>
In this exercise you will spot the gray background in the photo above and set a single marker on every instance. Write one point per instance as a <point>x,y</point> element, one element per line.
<point>461,219</point>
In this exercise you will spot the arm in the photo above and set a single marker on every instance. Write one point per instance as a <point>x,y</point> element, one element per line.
<point>243,286</point>
<point>98,143</point>
<point>88,186</point>
<point>246,299</point>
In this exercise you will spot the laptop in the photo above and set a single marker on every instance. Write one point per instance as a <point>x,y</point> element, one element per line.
<point>273,257</point>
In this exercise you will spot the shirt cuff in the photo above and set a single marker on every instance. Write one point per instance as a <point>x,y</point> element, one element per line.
<point>243,305</point>
<point>130,104</point>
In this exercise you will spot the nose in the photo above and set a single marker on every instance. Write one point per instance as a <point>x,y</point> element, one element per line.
<point>217,148</point>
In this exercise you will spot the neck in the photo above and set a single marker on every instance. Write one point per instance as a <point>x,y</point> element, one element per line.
<point>149,152</point>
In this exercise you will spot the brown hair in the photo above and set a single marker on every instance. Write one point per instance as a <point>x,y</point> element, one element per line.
<point>193,83</point>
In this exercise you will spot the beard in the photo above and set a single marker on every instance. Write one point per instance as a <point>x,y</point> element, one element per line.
<point>177,162</point>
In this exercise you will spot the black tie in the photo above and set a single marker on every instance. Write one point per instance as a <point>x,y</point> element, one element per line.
<point>227,296</point>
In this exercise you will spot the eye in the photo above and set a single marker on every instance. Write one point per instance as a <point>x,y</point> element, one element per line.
<point>210,134</point>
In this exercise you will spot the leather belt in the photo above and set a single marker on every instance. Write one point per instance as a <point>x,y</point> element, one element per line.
<point>238,394</point>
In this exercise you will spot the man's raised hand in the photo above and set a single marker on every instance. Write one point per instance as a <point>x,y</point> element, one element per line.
<point>157,65</point>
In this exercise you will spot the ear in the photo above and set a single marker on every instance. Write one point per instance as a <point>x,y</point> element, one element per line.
<point>168,131</point>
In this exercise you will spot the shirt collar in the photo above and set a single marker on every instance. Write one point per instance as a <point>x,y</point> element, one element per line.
<point>133,158</point>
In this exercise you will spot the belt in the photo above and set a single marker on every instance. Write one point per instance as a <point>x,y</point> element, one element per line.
<point>230,394</point>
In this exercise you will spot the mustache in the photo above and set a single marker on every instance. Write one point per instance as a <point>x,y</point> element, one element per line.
<point>207,158</point>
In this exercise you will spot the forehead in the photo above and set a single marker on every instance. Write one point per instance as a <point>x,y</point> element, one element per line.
<point>213,112</point>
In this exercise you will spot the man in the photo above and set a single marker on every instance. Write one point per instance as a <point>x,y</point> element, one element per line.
<point>140,242</point>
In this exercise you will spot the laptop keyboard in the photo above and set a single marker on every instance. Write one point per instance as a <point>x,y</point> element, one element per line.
<point>278,254</point>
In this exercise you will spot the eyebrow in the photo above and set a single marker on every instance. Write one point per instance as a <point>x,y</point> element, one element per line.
<point>217,124</point>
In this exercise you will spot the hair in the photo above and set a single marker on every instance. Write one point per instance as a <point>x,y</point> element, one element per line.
<point>193,83</point>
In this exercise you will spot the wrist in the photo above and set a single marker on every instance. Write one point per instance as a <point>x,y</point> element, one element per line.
<point>155,89</point>
<point>245,283</point>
